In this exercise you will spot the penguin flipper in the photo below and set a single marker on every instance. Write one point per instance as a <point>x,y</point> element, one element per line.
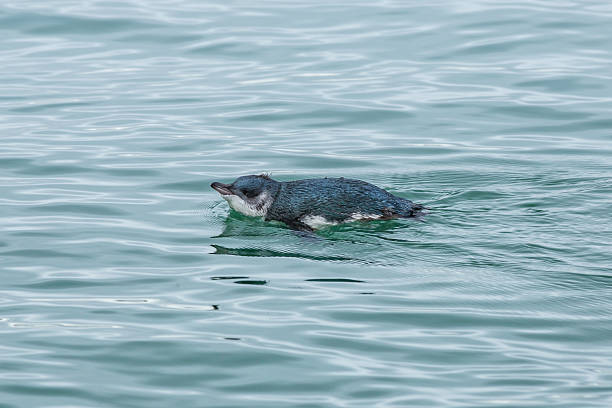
<point>298,226</point>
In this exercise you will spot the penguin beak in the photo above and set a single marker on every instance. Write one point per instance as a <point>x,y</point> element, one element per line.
<point>223,189</point>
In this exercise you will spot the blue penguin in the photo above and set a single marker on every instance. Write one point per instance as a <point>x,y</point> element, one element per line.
<point>313,203</point>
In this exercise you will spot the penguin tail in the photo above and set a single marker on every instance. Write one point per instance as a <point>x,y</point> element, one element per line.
<point>417,210</point>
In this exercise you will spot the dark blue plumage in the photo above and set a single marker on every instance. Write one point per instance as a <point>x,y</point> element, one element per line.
<point>305,204</point>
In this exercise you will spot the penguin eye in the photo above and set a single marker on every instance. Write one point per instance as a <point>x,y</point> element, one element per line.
<point>249,193</point>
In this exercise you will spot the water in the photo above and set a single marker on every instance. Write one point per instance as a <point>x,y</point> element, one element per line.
<point>127,282</point>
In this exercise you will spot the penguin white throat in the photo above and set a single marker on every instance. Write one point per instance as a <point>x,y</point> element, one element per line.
<point>254,207</point>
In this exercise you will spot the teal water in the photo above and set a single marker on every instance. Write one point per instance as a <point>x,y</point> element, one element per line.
<point>126,281</point>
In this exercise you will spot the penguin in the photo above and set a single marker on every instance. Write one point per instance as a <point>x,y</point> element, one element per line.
<point>310,204</point>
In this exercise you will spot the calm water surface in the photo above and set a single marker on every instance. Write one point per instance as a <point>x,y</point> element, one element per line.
<point>126,281</point>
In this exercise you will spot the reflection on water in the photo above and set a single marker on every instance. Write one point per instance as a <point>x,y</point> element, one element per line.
<point>270,253</point>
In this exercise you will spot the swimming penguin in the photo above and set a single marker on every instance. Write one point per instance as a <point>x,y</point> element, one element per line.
<point>313,203</point>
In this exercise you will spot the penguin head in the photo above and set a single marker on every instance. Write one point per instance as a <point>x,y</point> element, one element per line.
<point>249,195</point>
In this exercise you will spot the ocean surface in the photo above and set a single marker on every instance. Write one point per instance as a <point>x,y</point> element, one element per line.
<point>126,281</point>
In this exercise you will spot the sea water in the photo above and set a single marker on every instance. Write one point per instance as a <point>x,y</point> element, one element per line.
<point>127,282</point>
